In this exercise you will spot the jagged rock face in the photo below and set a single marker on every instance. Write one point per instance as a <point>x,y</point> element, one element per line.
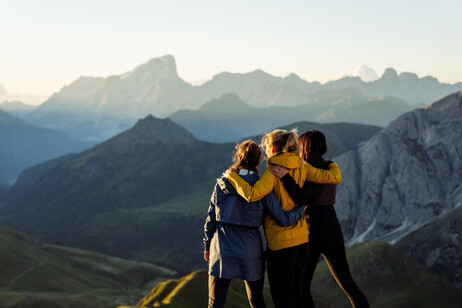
<point>438,246</point>
<point>405,176</point>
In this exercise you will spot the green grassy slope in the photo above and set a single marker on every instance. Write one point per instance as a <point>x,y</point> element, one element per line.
<point>388,278</point>
<point>36,275</point>
<point>191,291</point>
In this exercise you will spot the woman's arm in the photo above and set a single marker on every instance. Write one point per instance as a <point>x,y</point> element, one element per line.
<point>210,222</point>
<point>282,218</point>
<point>300,196</point>
<point>253,193</point>
<point>331,176</point>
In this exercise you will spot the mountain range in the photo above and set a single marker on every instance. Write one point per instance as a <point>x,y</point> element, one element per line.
<point>404,182</point>
<point>95,108</point>
<point>16,108</point>
<point>23,145</point>
<point>142,194</point>
<point>229,118</point>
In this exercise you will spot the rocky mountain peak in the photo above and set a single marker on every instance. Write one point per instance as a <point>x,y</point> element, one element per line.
<point>155,69</point>
<point>389,74</point>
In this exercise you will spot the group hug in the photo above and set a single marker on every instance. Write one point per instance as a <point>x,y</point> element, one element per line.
<point>294,202</point>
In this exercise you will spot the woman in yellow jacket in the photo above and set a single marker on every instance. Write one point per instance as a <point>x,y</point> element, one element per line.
<point>287,246</point>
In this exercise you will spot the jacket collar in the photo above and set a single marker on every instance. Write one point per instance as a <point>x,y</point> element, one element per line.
<point>286,160</point>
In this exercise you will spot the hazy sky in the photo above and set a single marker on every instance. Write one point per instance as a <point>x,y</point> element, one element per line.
<point>47,44</point>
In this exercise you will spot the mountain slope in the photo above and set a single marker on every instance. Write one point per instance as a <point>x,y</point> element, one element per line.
<point>388,278</point>
<point>23,145</point>
<point>37,275</point>
<point>438,246</point>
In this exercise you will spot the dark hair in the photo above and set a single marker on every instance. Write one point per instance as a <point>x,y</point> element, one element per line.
<point>313,145</point>
<point>247,156</point>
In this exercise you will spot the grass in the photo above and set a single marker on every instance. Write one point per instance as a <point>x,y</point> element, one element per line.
<point>36,275</point>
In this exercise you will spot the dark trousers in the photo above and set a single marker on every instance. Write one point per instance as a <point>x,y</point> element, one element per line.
<point>218,288</point>
<point>285,268</point>
<point>326,238</point>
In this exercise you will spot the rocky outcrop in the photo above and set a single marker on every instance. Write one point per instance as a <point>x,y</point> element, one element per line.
<point>405,177</point>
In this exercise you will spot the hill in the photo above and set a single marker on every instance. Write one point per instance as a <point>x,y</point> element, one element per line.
<point>23,145</point>
<point>136,195</point>
<point>37,275</point>
<point>388,277</point>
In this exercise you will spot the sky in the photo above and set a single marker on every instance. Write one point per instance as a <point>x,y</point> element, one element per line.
<point>47,44</point>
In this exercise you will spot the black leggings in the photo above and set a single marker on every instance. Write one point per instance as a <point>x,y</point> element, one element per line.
<point>338,265</point>
<point>285,268</point>
<point>326,238</point>
<point>218,288</point>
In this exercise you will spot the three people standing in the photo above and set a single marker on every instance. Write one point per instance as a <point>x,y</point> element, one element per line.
<point>288,256</point>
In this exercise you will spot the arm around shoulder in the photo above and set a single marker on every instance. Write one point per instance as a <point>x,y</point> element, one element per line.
<point>331,176</point>
<point>253,193</point>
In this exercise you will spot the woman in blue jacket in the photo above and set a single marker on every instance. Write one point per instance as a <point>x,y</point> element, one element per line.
<point>233,244</point>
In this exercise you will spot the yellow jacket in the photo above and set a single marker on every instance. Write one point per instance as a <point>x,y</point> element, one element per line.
<point>284,237</point>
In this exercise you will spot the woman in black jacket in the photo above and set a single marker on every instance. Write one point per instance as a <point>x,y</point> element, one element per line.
<point>326,235</point>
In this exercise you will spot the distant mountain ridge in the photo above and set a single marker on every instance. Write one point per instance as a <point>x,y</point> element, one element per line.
<point>95,108</point>
<point>229,118</point>
<point>23,145</point>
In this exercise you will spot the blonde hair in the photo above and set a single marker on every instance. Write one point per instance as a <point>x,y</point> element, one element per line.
<point>282,140</point>
<point>247,156</point>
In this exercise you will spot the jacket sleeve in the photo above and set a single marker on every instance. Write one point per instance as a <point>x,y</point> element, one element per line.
<point>253,193</point>
<point>331,176</point>
<point>282,218</point>
<point>301,196</point>
<point>210,222</point>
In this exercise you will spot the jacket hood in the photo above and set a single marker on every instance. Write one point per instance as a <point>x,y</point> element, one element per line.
<point>286,160</point>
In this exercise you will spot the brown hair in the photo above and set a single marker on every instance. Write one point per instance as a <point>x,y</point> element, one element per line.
<point>247,156</point>
<point>313,146</point>
<point>282,140</point>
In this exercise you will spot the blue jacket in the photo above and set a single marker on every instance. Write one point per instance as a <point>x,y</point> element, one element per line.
<point>227,206</point>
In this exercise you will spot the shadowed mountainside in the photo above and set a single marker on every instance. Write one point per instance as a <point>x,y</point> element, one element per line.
<point>35,275</point>
<point>23,145</point>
